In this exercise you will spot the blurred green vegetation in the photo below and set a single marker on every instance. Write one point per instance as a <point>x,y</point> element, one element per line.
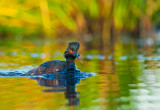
<point>23,24</point>
<point>59,18</point>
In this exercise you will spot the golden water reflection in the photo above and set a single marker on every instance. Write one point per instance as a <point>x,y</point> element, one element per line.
<point>128,78</point>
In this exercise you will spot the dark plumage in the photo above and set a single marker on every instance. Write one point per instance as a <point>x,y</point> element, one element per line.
<point>55,66</point>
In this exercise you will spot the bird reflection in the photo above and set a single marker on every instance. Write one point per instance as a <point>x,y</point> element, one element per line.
<point>63,83</point>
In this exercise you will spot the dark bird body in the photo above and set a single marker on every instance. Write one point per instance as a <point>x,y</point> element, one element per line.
<point>59,66</point>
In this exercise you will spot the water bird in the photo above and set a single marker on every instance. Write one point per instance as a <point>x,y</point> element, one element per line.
<point>55,66</point>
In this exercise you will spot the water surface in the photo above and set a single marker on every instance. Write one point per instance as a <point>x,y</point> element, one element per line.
<point>127,78</point>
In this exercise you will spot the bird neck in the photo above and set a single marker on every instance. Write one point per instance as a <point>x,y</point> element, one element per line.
<point>70,60</point>
<point>70,64</point>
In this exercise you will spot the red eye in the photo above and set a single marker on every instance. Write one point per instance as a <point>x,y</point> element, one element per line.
<point>70,51</point>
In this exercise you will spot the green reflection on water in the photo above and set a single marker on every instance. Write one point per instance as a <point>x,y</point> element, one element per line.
<point>124,81</point>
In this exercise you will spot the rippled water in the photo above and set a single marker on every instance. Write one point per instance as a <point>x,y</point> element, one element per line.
<point>128,78</point>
